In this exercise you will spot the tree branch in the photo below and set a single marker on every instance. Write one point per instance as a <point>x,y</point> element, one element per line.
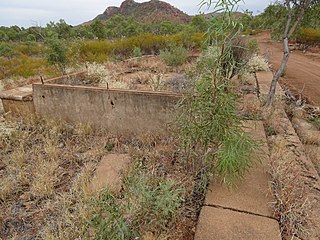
<point>293,28</point>
<point>286,30</point>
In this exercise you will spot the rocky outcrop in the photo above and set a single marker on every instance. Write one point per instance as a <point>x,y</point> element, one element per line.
<point>152,11</point>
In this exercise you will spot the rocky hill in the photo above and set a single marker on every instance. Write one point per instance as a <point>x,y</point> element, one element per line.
<point>152,11</point>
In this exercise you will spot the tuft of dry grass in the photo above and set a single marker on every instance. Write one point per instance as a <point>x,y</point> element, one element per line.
<point>307,132</point>
<point>45,177</point>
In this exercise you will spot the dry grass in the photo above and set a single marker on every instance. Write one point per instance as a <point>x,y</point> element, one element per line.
<point>144,73</point>
<point>294,202</point>
<point>44,194</point>
<point>291,204</point>
<point>40,158</point>
<point>313,153</point>
<point>307,132</point>
<point>45,178</point>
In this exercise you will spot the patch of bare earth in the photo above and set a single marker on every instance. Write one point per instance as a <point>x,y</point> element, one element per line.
<point>302,75</point>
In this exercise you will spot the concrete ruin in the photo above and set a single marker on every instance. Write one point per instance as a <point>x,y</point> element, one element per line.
<point>119,111</point>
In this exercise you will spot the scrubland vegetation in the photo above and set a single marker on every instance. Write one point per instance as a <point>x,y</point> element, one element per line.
<point>34,51</point>
<point>46,166</point>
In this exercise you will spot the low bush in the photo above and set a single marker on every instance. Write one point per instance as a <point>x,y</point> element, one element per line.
<point>56,54</point>
<point>137,52</point>
<point>309,36</point>
<point>174,55</point>
<point>257,63</point>
<point>7,51</point>
<point>147,205</point>
<point>25,66</point>
<point>101,51</point>
<point>253,46</point>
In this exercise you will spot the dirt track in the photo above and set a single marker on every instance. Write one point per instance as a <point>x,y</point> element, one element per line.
<point>303,71</point>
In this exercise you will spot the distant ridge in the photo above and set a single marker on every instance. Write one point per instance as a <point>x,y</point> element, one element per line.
<point>153,11</point>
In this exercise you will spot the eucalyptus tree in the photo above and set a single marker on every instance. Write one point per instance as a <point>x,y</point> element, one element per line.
<point>296,9</point>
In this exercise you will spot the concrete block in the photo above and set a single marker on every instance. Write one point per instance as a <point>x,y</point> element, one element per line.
<point>223,224</point>
<point>109,173</point>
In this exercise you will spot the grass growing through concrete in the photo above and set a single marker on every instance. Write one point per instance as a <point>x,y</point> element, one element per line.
<point>290,188</point>
<point>290,204</point>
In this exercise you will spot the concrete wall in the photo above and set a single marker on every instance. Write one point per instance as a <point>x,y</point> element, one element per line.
<point>120,111</point>
<point>18,107</point>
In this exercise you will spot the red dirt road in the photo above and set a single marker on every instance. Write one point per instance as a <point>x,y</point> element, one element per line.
<point>303,70</point>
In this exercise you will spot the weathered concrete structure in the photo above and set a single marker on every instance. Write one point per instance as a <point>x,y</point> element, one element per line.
<point>119,111</point>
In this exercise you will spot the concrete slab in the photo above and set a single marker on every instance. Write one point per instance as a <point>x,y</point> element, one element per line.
<point>19,94</point>
<point>109,173</point>
<point>265,79</point>
<point>252,194</point>
<point>223,224</point>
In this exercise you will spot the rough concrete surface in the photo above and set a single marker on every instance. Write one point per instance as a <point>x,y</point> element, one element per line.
<point>120,111</point>
<point>313,151</point>
<point>20,93</point>
<point>252,194</point>
<point>218,224</point>
<point>18,107</point>
<point>265,78</point>
<point>109,172</point>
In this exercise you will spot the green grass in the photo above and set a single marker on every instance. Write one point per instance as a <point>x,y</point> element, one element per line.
<point>316,122</point>
<point>147,204</point>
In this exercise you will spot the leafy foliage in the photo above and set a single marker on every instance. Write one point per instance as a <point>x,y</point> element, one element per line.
<point>56,54</point>
<point>210,128</point>
<point>147,205</point>
<point>174,55</point>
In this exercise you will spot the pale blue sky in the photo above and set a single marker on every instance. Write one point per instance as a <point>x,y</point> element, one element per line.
<point>27,13</point>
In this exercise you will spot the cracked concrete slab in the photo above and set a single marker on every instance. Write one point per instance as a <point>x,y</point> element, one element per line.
<point>223,224</point>
<point>252,194</point>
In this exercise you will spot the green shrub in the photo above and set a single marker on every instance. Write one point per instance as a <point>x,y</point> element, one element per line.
<point>174,55</point>
<point>6,50</point>
<point>253,46</point>
<point>137,52</point>
<point>147,204</point>
<point>57,54</point>
<point>100,51</point>
<point>209,128</point>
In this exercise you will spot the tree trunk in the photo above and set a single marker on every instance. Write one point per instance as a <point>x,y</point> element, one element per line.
<point>279,73</point>
<point>287,34</point>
